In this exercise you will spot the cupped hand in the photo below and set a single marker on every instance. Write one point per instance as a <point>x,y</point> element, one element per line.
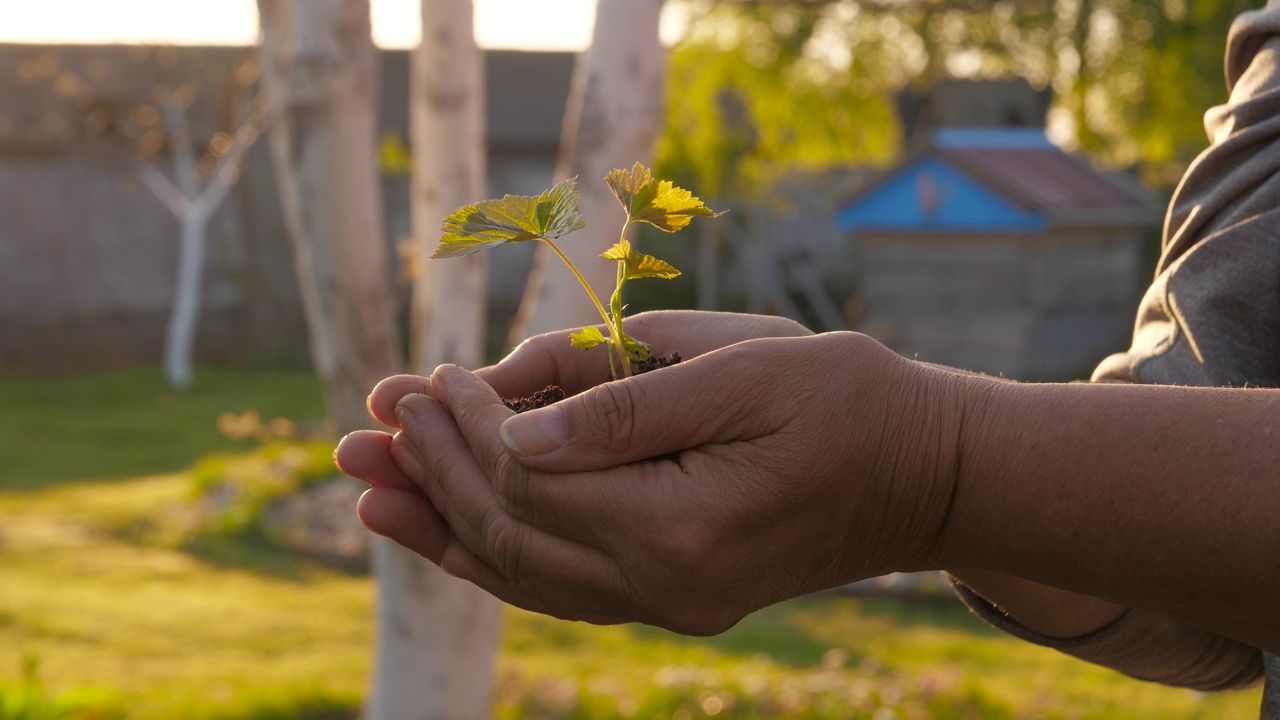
<point>689,497</point>
<point>395,505</point>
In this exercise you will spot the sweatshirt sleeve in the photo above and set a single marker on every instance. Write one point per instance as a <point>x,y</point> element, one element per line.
<point>1144,645</point>
<point>1212,315</point>
<point>1210,318</point>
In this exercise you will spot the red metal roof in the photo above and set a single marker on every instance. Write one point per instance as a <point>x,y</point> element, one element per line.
<point>1047,179</point>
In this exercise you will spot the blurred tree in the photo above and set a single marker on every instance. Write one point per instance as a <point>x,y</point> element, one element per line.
<point>437,635</point>
<point>206,158</point>
<point>758,90</point>
<point>192,196</point>
<point>320,72</point>
<point>614,115</point>
<point>812,84</point>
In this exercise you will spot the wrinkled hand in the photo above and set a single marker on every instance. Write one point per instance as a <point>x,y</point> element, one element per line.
<point>396,505</point>
<point>684,498</point>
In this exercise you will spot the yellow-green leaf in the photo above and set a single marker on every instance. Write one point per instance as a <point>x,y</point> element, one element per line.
<point>636,350</point>
<point>619,251</point>
<point>588,338</point>
<point>643,266</point>
<point>639,265</point>
<point>514,218</point>
<point>656,202</point>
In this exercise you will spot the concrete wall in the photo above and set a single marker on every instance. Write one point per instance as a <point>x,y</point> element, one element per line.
<point>1027,307</point>
<point>88,256</point>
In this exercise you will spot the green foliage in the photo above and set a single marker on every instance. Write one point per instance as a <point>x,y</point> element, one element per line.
<point>29,699</point>
<point>234,489</point>
<point>514,218</point>
<point>554,213</point>
<point>759,90</point>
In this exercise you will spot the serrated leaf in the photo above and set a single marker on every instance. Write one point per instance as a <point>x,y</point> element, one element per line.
<point>619,251</point>
<point>639,265</point>
<point>656,202</point>
<point>643,266</point>
<point>513,218</point>
<point>588,338</point>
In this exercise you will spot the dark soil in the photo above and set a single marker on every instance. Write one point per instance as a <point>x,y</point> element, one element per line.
<point>546,396</point>
<point>552,394</point>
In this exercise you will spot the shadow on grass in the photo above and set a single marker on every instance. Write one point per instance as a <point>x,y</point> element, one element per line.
<point>772,632</point>
<point>782,633</point>
<point>940,610</point>
<point>253,552</point>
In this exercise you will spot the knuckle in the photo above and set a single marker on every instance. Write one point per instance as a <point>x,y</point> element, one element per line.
<point>611,416</point>
<point>510,484</point>
<point>504,544</point>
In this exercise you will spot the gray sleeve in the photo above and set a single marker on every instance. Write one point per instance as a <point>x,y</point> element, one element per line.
<point>1210,318</point>
<point>1212,315</point>
<point>1144,645</point>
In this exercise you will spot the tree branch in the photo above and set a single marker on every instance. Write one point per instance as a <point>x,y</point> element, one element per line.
<point>163,188</point>
<point>227,170</point>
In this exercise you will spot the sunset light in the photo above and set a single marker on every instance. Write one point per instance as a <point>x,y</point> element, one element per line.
<point>546,25</point>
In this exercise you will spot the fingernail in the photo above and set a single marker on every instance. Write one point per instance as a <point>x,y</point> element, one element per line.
<point>536,432</point>
<point>438,384</point>
<point>407,458</point>
<point>407,417</point>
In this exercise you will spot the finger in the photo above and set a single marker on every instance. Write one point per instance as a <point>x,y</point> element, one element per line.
<point>382,401</point>
<point>550,359</point>
<point>460,563</point>
<point>712,399</point>
<point>546,567</point>
<point>547,359</point>
<point>406,517</point>
<point>366,455</point>
<point>582,507</point>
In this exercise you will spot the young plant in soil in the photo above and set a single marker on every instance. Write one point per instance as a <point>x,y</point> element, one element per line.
<point>554,214</point>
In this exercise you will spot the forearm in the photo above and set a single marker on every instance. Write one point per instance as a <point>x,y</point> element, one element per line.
<point>1155,497</point>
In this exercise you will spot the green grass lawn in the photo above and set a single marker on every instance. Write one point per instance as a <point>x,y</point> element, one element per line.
<point>103,597</point>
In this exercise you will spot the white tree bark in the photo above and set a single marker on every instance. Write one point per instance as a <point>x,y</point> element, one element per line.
<point>320,71</point>
<point>437,635</point>
<point>193,202</point>
<point>614,116</point>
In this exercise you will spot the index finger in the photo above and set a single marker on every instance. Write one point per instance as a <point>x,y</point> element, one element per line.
<point>547,359</point>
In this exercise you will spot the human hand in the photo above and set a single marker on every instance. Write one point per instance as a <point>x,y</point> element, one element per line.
<point>396,506</point>
<point>690,497</point>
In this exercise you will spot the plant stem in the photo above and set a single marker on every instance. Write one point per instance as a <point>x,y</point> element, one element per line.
<point>615,333</point>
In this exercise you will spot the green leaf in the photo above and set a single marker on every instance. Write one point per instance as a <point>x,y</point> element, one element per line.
<point>619,251</point>
<point>514,218</point>
<point>588,338</point>
<point>636,350</point>
<point>657,202</point>
<point>639,265</point>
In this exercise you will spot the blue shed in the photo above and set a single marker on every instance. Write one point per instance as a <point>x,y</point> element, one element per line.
<point>992,249</point>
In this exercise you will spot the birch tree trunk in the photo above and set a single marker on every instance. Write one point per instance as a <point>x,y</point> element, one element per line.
<point>320,72</point>
<point>437,635</point>
<point>180,335</point>
<point>193,202</point>
<point>614,115</point>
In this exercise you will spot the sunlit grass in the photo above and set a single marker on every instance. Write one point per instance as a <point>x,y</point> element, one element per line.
<point>125,424</point>
<point>101,583</point>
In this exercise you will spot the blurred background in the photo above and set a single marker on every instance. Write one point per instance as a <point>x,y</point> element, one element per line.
<point>214,223</point>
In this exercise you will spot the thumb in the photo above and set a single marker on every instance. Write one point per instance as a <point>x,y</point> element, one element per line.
<point>706,400</point>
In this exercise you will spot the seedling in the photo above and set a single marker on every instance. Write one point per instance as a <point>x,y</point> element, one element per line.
<point>554,214</point>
